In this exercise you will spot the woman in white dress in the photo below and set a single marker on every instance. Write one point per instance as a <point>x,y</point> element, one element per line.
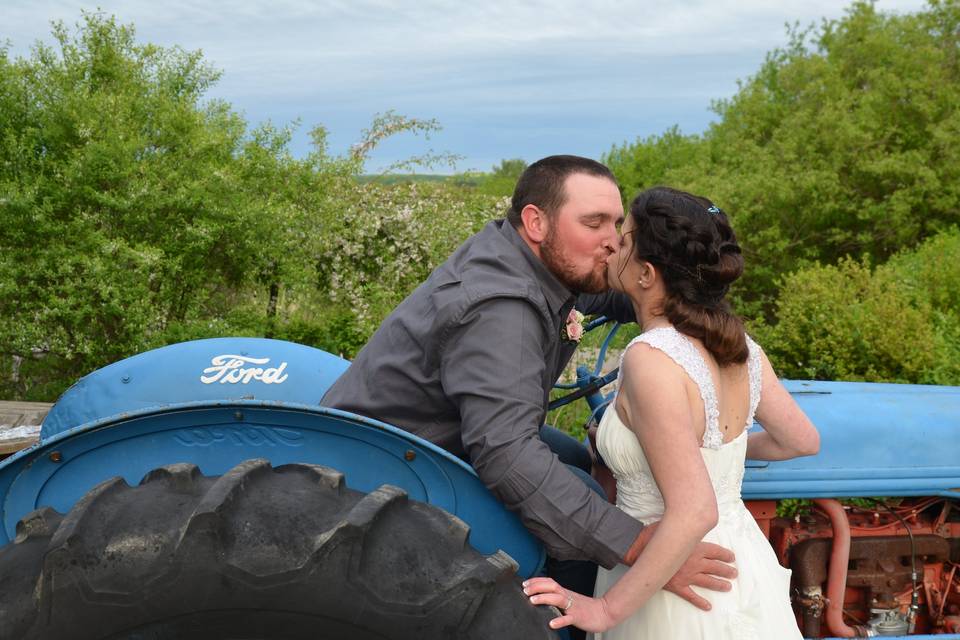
<point>676,436</point>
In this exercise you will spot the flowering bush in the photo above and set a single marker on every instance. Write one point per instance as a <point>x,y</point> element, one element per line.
<point>382,242</point>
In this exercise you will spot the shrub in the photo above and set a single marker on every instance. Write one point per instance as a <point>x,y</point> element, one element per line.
<point>899,322</point>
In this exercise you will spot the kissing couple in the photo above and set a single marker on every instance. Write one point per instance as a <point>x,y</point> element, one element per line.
<point>467,362</point>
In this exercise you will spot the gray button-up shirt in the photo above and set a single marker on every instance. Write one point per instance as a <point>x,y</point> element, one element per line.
<point>467,362</point>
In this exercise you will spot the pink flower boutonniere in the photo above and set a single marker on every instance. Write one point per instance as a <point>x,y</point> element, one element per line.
<point>573,330</point>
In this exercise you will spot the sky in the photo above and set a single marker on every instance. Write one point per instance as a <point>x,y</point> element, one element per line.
<point>504,79</point>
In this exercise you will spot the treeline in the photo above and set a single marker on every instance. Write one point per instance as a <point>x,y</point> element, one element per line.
<point>136,212</point>
<point>839,164</point>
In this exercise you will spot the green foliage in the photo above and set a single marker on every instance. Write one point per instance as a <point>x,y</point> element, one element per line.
<point>846,142</point>
<point>498,183</point>
<point>135,213</point>
<point>801,507</point>
<point>793,507</point>
<point>649,162</point>
<point>114,226</point>
<point>384,243</point>
<point>899,322</point>
<point>389,124</point>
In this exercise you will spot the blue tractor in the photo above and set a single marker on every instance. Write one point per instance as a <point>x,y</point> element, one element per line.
<point>200,491</point>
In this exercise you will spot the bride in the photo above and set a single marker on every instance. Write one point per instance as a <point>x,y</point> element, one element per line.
<point>676,436</point>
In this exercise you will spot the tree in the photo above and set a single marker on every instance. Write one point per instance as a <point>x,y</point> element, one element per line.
<point>134,212</point>
<point>120,214</point>
<point>500,181</point>
<point>845,142</point>
<point>898,322</point>
<point>649,161</point>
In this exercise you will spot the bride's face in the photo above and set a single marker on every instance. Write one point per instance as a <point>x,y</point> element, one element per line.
<point>623,270</point>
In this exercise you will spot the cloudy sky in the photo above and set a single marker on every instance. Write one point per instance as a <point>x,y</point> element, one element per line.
<point>504,79</point>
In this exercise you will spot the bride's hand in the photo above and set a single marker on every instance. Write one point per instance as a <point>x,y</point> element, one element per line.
<point>584,612</point>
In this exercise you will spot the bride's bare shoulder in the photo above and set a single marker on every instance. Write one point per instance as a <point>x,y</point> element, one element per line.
<point>648,374</point>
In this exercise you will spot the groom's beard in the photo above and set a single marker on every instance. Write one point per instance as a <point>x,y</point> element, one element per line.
<point>551,252</point>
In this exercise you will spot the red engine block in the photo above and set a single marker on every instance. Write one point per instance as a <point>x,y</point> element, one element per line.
<point>853,567</point>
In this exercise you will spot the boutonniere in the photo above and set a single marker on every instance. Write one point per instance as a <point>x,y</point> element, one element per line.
<point>573,330</point>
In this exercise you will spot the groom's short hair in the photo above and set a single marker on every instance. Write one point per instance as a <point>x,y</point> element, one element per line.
<point>541,184</point>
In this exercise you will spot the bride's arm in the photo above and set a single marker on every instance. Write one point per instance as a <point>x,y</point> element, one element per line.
<point>787,431</point>
<point>657,409</point>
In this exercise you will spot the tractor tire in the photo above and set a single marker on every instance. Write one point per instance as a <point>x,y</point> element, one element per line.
<point>289,553</point>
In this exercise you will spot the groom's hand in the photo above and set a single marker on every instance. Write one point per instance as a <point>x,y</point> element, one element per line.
<point>706,567</point>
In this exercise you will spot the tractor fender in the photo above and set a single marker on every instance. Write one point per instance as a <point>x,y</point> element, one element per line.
<point>215,403</point>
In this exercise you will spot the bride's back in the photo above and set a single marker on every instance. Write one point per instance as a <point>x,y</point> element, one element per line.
<point>732,384</point>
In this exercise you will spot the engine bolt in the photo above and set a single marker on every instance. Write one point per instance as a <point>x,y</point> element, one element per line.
<point>410,455</point>
<point>56,456</point>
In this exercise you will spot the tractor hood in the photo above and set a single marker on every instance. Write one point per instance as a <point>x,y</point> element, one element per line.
<point>875,440</point>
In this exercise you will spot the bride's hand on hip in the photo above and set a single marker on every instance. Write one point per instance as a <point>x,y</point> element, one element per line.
<point>584,612</point>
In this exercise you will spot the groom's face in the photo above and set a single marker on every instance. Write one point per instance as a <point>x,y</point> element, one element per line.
<point>583,233</point>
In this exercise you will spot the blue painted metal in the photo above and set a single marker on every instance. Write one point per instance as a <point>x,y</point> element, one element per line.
<point>582,371</point>
<point>172,375</point>
<point>875,440</point>
<point>153,409</point>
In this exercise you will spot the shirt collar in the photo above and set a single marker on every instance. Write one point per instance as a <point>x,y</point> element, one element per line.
<point>556,294</point>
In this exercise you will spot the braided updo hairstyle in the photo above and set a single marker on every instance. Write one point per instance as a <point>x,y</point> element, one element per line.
<point>691,243</point>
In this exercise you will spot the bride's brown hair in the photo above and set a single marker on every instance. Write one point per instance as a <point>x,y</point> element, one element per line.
<point>691,243</point>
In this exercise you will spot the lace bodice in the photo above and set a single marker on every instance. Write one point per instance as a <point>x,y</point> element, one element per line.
<point>681,350</point>
<point>637,492</point>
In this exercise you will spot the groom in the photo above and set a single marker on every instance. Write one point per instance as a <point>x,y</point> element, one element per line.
<point>468,360</point>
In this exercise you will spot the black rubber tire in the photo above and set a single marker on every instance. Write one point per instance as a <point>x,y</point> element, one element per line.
<point>288,553</point>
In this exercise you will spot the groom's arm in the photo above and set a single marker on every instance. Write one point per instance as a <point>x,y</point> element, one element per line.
<point>493,369</point>
<point>612,304</point>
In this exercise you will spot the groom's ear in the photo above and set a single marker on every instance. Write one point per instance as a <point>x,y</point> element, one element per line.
<point>536,223</point>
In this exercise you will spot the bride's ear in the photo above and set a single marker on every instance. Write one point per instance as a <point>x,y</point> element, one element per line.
<point>648,274</point>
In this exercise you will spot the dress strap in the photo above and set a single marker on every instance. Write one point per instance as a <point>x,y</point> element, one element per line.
<point>681,350</point>
<point>754,372</point>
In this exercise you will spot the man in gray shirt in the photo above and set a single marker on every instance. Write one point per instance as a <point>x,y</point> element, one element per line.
<point>468,360</point>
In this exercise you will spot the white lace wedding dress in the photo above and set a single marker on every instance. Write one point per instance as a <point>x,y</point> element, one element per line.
<point>758,606</point>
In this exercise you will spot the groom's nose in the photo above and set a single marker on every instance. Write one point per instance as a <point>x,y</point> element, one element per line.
<point>610,242</point>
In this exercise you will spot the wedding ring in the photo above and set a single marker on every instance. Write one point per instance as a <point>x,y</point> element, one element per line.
<point>569,602</point>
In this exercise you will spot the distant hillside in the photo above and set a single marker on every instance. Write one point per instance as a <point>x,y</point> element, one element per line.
<point>401,178</point>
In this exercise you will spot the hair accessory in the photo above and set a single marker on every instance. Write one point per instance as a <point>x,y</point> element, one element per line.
<point>714,209</point>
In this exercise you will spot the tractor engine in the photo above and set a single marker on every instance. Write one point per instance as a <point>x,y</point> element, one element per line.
<point>859,569</point>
